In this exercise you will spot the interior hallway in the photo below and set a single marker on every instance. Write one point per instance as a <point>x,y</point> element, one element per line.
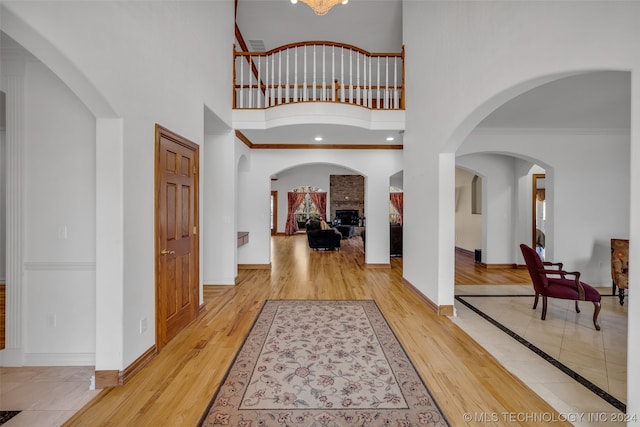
<point>177,385</point>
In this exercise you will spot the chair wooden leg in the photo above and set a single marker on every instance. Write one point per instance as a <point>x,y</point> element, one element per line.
<point>596,312</point>
<point>621,296</point>
<point>544,307</point>
<point>535,302</point>
<point>613,286</point>
<point>577,308</point>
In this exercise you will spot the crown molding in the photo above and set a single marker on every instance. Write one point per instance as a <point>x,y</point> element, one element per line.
<point>246,141</point>
<point>551,131</point>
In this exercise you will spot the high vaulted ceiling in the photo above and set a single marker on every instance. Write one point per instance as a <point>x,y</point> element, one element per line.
<point>599,100</point>
<point>372,25</point>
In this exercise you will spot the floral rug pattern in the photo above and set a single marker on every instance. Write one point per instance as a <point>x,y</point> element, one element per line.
<point>322,363</point>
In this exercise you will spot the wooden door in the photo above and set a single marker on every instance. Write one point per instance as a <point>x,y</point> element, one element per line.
<point>177,245</point>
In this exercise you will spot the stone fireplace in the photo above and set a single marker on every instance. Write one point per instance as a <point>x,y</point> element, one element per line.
<point>346,193</point>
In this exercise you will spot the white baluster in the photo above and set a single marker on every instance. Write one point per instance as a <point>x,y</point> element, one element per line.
<point>267,98</point>
<point>235,81</point>
<point>333,73</point>
<point>250,82</point>
<point>365,100</point>
<point>378,91</point>
<point>286,92</point>
<point>342,75</point>
<point>274,85</point>
<point>313,89</point>
<point>395,83</point>
<point>358,99</point>
<point>280,78</point>
<point>273,79</point>
<point>306,97</point>
<point>295,78</point>
<point>370,100</point>
<point>270,82</point>
<point>350,76</point>
<point>386,87</point>
<point>259,90</point>
<point>242,81</point>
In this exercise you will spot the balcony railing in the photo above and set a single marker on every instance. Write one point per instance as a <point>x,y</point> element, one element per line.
<point>318,72</point>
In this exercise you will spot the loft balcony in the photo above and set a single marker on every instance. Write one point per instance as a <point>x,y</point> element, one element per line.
<point>318,82</point>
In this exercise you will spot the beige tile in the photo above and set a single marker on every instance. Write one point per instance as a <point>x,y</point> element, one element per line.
<point>26,395</point>
<point>65,396</point>
<point>39,419</point>
<point>570,337</point>
<point>618,389</point>
<point>6,387</point>
<point>64,373</point>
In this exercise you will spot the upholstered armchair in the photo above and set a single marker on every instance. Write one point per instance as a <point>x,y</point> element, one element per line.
<point>620,266</point>
<point>550,280</point>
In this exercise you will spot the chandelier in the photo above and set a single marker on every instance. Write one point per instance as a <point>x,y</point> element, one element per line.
<point>321,7</point>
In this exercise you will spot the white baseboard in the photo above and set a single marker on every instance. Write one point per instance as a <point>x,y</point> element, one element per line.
<point>11,357</point>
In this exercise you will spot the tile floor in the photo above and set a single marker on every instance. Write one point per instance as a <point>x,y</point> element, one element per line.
<point>47,396</point>
<point>569,337</point>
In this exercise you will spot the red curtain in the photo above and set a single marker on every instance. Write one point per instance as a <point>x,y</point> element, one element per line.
<point>397,200</point>
<point>294,200</point>
<point>320,200</point>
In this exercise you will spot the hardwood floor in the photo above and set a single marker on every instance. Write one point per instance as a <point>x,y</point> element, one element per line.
<point>175,388</point>
<point>468,272</point>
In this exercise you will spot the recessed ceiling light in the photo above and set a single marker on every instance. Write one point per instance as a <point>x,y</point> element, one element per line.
<point>390,138</point>
<point>317,138</point>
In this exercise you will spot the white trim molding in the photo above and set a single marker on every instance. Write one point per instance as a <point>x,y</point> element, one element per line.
<point>59,266</point>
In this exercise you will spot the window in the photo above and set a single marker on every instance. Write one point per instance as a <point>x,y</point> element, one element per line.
<point>476,195</point>
<point>394,214</point>
<point>307,208</point>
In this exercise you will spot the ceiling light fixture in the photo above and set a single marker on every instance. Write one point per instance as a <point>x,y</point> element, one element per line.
<point>317,138</point>
<point>390,138</point>
<point>321,7</point>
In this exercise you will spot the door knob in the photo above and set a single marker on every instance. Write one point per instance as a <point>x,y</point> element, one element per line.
<point>165,252</point>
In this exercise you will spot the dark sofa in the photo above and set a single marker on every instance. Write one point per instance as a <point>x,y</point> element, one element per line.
<point>395,240</point>
<point>322,239</point>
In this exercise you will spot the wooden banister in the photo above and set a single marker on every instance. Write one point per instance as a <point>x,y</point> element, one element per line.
<point>318,71</point>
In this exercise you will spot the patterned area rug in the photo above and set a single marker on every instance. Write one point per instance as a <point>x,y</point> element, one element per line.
<point>322,364</point>
<point>7,415</point>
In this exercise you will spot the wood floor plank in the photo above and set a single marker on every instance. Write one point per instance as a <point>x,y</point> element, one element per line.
<point>176,387</point>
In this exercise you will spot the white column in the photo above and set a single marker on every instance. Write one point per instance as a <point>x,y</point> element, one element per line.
<point>447,228</point>
<point>377,215</point>
<point>109,244</point>
<point>13,353</point>
<point>219,210</point>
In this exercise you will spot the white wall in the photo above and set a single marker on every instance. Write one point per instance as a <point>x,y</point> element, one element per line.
<point>218,235</point>
<point>498,204</point>
<point>154,62</point>
<point>314,175</point>
<point>468,225</point>
<point>59,226</point>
